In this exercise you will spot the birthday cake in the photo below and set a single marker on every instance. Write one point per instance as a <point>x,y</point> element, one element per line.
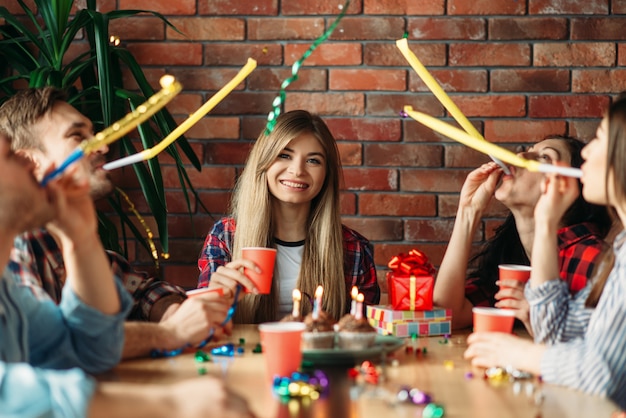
<point>319,332</point>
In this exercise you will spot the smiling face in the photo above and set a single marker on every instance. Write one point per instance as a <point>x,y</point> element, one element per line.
<point>60,131</point>
<point>522,187</point>
<point>297,175</point>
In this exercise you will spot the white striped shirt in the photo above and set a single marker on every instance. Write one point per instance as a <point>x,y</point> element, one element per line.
<point>596,362</point>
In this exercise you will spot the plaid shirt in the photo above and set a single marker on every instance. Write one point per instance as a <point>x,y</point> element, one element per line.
<point>579,247</point>
<point>37,263</point>
<point>358,265</point>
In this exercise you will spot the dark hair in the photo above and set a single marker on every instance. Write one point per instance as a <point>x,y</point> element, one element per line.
<point>506,247</point>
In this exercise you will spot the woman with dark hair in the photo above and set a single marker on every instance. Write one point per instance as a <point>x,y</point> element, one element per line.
<point>592,361</point>
<point>581,233</point>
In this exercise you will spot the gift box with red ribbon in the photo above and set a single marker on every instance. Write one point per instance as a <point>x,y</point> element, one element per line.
<point>410,282</point>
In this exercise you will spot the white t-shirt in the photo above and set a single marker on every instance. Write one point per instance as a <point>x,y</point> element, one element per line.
<point>286,271</point>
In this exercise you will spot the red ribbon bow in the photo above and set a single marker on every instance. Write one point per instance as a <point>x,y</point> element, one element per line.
<point>414,263</point>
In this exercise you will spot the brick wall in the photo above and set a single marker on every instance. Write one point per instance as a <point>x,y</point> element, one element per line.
<point>520,69</point>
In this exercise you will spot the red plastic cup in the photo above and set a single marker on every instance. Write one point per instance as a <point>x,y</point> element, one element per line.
<point>517,272</point>
<point>493,320</point>
<point>264,258</point>
<point>282,347</point>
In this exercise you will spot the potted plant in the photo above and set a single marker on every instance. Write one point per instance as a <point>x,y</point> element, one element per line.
<point>35,52</point>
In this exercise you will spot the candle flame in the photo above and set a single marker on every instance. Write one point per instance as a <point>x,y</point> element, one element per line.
<point>355,292</point>
<point>360,298</point>
<point>296,295</point>
<point>319,291</point>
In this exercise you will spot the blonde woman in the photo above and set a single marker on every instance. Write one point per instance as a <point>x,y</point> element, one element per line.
<point>288,198</point>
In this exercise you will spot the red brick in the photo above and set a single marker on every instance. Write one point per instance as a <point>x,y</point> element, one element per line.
<point>448,205</point>
<point>171,53</point>
<point>232,152</point>
<point>598,28</point>
<point>389,55</point>
<point>391,104</point>
<point>460,156</point>
<point>238,54</point>
<point>504,131</point>
<point>270,79</point>
<point>485,106</point>
<point>425,230</point>
<point>452,80</point>
<point>398,155</point>
<point>15,9</point>
<point>427,180</point>
<point>184,251</point>
<point>238,7</point>
<point>166,7</point>
<point>216,202</point>
<point>153,75</point>
<point>176,202</point>
<point>384,252</point>
<point>489,54</point>
<point>369,129</point>
<point>446,28</point>
<point>238,103</point>
<point>570,106</point>
<point>74,50</point>
<point>252,126</point>
<point>598,81</point>
<point>583,129</point>
<point>396,204</point>
<point>416,132</point>
<point>138,28</point>
<point>325,54</point>
<point>184,226</point>
<point>486,7</point>
<point>207,29</point>
<point>404,7</point>
<point>316,7</point>
<point>375,28</point>
<point>209,178</point>
<point>621,55</point>
<point>281,28</point>
<point>376,229</point>
<point>327,103</point>
<point>185,276</point>
<point>185,104</point>
<point>530,80</point>
<point>214,127</point>
<point>527,28</point>
<point>589,54</point>
<point>351,153</point>
<point>618,7</point>
<point>205,78</point>
<point>348,203</point>
<point>370,179</point>
<point>566,7</point>
<point>367,79</point>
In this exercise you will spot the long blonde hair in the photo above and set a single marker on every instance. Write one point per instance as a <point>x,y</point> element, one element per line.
<point>322,258</point>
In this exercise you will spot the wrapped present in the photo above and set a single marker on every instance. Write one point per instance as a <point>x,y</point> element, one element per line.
<point>410,282</point>
<point>388,321</point>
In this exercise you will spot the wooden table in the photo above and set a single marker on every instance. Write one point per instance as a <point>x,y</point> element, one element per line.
<point>440,373</point>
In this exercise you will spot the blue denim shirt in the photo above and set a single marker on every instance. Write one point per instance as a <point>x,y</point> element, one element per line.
<point>44,349</point>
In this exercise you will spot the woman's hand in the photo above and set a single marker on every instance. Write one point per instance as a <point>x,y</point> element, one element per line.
<point>480,186</point>
<point>511,296</point>
<point>557,195</point>
<point>497,349</point>
<point>229,276</point>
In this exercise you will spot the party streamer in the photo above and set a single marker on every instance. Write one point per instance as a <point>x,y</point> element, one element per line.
<point>169,89</point>
<point>487,147</point>
<point>188,123</point>
<point>280,99</point>
<point>441,95</point>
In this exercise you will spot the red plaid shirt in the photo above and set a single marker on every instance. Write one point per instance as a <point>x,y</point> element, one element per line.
<point>358,264</point>
<point>579,248</point>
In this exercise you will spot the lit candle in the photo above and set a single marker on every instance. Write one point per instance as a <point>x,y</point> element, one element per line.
<point>359,306</point>
<point>317,305</point>
<point>354,293</point>
<point>296,303</point>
